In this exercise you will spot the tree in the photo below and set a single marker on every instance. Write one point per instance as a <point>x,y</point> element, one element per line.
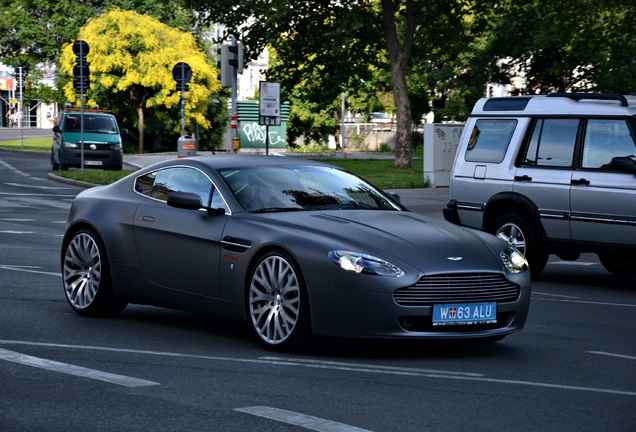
<point>33,31</point>
<point>575,45</point>
<point>334,43</point>
<point>132,55</point>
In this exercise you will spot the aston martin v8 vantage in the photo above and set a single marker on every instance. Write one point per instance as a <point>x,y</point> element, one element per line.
<point>296,248</point>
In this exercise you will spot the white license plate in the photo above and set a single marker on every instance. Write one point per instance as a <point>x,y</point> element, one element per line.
<point>464,313</point>
<point>90,162</point>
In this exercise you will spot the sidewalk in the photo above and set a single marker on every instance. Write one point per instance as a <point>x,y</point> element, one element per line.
<point>427,201</point>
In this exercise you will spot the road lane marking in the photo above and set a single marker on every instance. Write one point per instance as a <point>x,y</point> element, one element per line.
<point>572,263</point>
<point>70,369</point>
<point>297,419</point>
<point>27,269</point>
<point>585,302</point>
<point>357,367</point>
<point>16,220</point>
<point>612,355</point>
<point>16,232</point>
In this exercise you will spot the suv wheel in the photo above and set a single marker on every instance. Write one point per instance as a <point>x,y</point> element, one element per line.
<point>619,264</point>
<point>517,231</point>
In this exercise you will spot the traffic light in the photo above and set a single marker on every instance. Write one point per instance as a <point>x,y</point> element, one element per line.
<point>236,60</point>
<point>225,71</point>
<point>81,71</point>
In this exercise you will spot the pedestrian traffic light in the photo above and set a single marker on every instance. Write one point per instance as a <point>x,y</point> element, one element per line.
<point>225,71</point>
<point>81,71</point>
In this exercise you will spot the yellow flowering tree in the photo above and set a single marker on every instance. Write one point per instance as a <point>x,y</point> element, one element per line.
<point>131,57</point>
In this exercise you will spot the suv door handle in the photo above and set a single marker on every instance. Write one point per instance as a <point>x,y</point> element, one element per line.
<point>580,182</point>
<point>524,178</point>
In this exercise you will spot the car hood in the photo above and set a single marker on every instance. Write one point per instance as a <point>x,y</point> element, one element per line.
<point>419,241</point>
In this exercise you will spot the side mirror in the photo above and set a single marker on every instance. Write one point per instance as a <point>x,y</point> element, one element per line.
<point>185,200</point>
<point>123,132</point>
<point>395,196</point>
<point>623,164</point>
<point>57,129</point>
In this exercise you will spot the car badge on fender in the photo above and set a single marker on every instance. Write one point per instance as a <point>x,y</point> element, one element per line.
<point>454,258</point>
<point>93,147</point>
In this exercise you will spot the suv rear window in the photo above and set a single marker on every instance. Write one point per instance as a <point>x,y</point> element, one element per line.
<point>489,140</point>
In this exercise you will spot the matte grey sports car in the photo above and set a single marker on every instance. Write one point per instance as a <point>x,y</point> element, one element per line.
<point>295,247</point>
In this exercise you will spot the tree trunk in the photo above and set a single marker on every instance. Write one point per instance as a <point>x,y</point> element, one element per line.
<point>140,127</point>
<point>399,56</point>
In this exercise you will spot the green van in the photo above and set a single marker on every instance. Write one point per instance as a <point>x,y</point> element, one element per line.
<point>102,143</point>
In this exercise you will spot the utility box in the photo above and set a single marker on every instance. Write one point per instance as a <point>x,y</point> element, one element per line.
<point>440,145</point>
<point>186,146</point>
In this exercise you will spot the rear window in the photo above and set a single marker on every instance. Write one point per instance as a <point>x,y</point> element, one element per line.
<point>489,140</point>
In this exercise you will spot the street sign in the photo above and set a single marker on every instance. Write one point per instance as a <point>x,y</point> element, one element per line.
<point>269,104</point>
<point>182,73</point>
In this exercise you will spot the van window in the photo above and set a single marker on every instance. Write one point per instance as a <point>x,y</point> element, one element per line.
<point>489,140</point>
<point>552,143</point>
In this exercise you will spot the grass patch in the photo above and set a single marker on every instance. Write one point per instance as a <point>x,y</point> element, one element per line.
<point>382,173</point>
<point>97,177</point>
<point>41,144</point>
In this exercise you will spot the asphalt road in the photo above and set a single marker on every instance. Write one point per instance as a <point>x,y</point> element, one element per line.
<point>571,368</point>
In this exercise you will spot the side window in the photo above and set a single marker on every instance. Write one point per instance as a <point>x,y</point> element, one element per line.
<point>552,143</point>
<point>159,184</point>
<point>489,140</point>
<point>604,140</point>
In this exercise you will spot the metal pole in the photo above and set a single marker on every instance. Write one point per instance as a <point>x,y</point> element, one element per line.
<point>234,101</point>
<point>342,124</point>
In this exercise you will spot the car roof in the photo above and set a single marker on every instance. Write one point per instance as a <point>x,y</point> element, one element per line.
<point>224,161</point>
<point>557,104</point>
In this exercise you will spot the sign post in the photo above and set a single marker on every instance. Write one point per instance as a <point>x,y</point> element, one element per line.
<point>269,108</point>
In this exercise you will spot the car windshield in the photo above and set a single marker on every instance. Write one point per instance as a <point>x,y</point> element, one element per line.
<point>92,123</point>
<point>263,189</point>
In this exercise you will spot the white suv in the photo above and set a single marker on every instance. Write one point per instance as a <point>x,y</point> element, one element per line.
<point>553,174</point>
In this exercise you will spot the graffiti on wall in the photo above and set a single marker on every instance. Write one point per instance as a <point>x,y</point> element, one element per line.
<point>252,135</point>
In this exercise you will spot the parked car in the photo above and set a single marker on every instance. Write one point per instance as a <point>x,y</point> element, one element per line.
<point>552,174</point>
<point>91,136</point>
<point>295,247</point>
<point>381,118</point>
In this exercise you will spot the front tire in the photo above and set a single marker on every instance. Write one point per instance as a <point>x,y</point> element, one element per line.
<point>86,276</point>
<point>277,303</point>
<point>517,231</point>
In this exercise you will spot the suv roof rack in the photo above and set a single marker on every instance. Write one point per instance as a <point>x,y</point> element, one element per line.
<point>596,96</point>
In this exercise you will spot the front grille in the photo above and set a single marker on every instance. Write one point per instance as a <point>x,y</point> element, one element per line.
<point>458,288</point>
<point>99,147</point>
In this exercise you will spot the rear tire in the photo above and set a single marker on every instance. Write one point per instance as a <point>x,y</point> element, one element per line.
<point>517,231</point>
<point>86,276</point>
<point>619,264</point>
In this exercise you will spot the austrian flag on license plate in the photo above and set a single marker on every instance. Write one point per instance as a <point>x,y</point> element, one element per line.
<point>464,313</point>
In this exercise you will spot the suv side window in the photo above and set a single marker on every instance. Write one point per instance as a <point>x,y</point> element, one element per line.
<point>552,143</point>
<point>604,140</point>
<point>489,140</point>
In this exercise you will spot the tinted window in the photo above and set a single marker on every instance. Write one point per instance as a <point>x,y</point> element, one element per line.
<point>604,140</point>
<point>552,143</point>
<point>158,184</point>
<point>489,140</point>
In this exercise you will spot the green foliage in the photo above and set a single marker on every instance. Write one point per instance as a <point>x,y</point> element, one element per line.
<point>131,59</point>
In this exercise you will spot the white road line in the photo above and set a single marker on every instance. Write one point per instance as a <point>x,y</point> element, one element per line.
<point>69,369</point>
<point>572,263</point>
<point>612,355</point>
<point>426,373</point>
<point>16,232</point>
<point>554,295</point>
<point>16,220</point>
<point>297,419</point>
<point>586,302</point>
<point>27,269</point>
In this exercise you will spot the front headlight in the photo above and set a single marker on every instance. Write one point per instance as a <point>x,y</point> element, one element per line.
<point>513,260</point>
<point>367,264</point>
<point>70,145</point>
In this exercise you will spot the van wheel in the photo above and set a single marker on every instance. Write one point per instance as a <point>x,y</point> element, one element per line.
<point>517,231</point>
<point>54,165</point>
<point>619,264</point>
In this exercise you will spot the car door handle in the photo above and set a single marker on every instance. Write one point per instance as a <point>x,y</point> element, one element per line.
<point>523,178</point>
<point>147,218</point>
<point>580,182</point>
